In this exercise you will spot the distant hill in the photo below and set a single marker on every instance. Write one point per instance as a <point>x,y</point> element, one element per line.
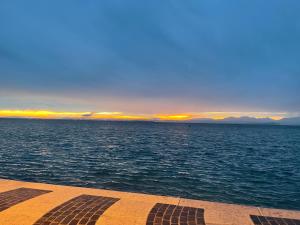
<point>294,121</point>
<point>250,120</point>
<point>290,121</point>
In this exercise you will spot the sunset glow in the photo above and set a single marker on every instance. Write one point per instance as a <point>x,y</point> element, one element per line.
<point>176,117</point>
<point>42,114</point>
<point>45,114</point>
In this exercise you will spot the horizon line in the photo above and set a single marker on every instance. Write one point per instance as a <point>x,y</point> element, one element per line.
<point>120,116</point>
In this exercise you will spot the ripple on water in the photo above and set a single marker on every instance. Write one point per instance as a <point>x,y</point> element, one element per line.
<point>256,165</point>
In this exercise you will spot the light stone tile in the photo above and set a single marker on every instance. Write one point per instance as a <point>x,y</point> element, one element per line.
<point>131,209</point>
<point>28,212</point>
<point>280,213</point>
<point>223,214</point>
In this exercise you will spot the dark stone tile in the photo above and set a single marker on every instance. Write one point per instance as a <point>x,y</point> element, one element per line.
<point>265,220</point>
<point>83,209</point>
<point>16,196</point>
<point>167,214</point>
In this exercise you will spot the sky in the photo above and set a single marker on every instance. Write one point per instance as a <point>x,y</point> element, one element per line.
<point>143,59</point>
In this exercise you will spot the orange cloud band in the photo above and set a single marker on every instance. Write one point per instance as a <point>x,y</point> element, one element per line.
<point>44,114</point>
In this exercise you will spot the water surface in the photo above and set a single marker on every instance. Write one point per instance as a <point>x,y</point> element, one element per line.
<point>246,164</point>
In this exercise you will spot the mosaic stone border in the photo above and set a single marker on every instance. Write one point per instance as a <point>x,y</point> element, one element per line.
<point>16,196</point>
<point>83,210</point>
<point>266,220</point>
<point>167,214</point>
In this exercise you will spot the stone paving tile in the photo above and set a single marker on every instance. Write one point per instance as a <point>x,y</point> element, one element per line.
<point>134,209</point>
<point>83,210</point>
<point>13,197</point>
<point>167,214</point>
<point>266,220</point>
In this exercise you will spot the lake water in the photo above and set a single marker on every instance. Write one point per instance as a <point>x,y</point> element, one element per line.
<point>246,164</point>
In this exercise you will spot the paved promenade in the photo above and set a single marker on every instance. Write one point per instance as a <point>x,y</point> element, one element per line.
<point>23,203</point>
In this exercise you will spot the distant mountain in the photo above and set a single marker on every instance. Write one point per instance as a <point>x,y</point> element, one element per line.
<point>294,121</point>
<point>202,120</point>
<point>249,120</point>
<point>290,121</point>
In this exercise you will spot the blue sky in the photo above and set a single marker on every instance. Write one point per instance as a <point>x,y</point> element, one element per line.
<point>150,56</point>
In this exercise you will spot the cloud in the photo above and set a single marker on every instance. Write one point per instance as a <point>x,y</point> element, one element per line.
<point>88,114</point>
<point>216,55</point>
